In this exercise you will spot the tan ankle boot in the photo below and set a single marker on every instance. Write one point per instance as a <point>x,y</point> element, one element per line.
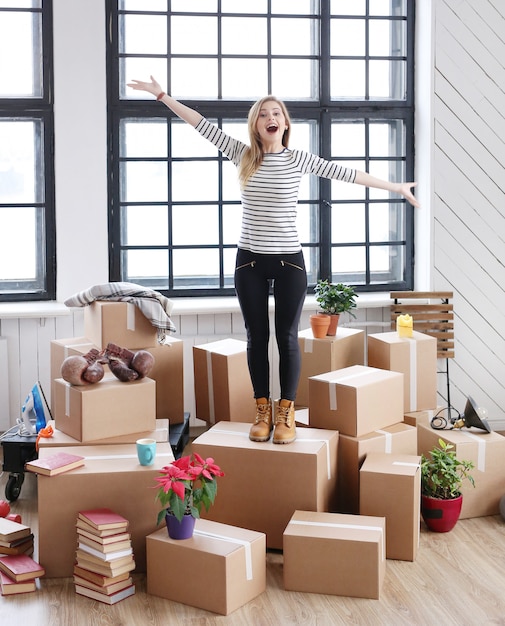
<point>262,427</point>
<point>285,430</point>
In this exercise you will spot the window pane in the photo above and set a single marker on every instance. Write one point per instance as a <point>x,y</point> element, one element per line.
<point>234,40</point>
<point>348,138</point>
<point>143,5</point>
<point>144,34</point>
<point>294,79</point>
<point>346,262</point>
<point>194,181</point>
<point>139,265</point>
<point>245,78</point>
<point>348,7</point>
<point>387,38</point>
<point>244,6</point>
<point>21,162</point>
<point>144,138</point>
<point>144,182</point>
<point>197,267</point>
<point>347,38</point>
<point>387,7</point>
<point>299,7</point>
<point>139,69</point>
<point>232,217</point>
<point>387,222</point>
<point>386,263</point>
<point>183,80</point>
<point>193,35</point>
<point>347,79</point>
<point>294,37</point>
<point>145,226</point>
<point>347,223</point>
<point>195,225</point>
<point>20,55</point>
<point>387,80</point>
<point>19,242</point>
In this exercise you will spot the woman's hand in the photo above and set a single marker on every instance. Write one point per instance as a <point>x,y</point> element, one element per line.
<point>404,190</point>
<point>151,87</point>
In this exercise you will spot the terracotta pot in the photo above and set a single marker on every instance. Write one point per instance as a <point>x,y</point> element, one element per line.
<point>441,515</point>
<point>180,530</point>
<point>332,328</point>
<point>319,322</point>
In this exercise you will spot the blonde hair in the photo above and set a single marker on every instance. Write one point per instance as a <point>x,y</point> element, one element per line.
<point>253,155</point>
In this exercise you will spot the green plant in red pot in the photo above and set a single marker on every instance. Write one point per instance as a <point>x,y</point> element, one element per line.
<point>442,475</point>
<point>334,299</point>
<point>184,487</point>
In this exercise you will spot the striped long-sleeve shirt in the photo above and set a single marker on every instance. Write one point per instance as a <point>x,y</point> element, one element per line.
<point>270,197</point>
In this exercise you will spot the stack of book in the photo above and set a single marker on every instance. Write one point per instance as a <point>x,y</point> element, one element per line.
<point>104,556</point>
<point>18,573</point>
<point>15,538</point>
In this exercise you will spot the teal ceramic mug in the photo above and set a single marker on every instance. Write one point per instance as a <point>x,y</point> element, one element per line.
<point>146,451</point>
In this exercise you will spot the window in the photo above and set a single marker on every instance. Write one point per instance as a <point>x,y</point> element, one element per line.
<point>27,230</point>
<point>344,69</point>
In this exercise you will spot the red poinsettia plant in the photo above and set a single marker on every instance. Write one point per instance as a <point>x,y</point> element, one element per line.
<point>186,485</point>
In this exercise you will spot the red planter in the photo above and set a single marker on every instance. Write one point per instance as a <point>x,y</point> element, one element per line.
<point>332,328</point>
<point>441,515</point>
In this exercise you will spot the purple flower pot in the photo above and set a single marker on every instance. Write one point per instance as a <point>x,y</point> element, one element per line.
<point>180,530</point>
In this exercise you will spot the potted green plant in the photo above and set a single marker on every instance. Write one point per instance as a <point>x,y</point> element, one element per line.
<point>184,486</point>
<point>442,475</point>
<point>334,299</point>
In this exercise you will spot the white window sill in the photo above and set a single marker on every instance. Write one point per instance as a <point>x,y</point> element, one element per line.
<point>182,306</point>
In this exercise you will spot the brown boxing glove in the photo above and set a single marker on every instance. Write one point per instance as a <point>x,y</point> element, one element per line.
<point>83,370</point>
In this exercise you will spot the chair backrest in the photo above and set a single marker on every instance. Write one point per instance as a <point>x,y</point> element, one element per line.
<point>431,313</point>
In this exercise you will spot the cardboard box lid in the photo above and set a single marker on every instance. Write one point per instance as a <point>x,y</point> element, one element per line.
<point>356,376</point>
<point>393,337</point>
<point>398,464</point>
<point>111,458</point>
<point>342,333</point>
<point>226,347</point>
<point>365,528</point>
<point>160,434</point>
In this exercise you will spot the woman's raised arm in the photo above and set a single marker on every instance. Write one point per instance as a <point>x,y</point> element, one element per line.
<point>186,113</point>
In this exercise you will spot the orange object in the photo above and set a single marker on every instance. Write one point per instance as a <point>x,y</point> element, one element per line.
<point>44,432</point>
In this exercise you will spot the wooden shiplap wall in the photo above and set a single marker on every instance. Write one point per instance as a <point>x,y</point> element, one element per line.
<point>469,192</point>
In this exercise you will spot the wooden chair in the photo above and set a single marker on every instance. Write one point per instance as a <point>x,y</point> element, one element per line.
<point>432,314</point>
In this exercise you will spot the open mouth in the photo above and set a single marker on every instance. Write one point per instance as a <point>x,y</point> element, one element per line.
<point>272,128</point>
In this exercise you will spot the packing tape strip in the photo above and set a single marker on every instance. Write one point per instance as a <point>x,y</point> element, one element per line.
<point>344,526</point>
<point>297,440</point>
<point>210,385</point>
<point>406,464</point>
<point>332,387</point>
<point>309,344</point>
<point>388,443</point>
<point>67,399</point>
<point>413,373</point>
<point>241,542</point>
<point>130,316</point>
<point>481,450</point>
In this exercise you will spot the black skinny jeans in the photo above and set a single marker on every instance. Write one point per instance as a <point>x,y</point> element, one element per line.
<point>254,273</point>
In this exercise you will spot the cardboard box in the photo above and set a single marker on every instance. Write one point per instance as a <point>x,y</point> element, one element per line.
<point>219,569</point>
<point>390,487</point>
<point>487,451</point>
<point>336,554</point>
<point>106,409</point>
<point>223,388</point>
<point>122,323</point>
<point>266,482</point>
<point>352,451</point>
<point>111,477</point>
<point>319,356</point>
<point>168,373</point>
<point>356,400</point>
<point>60,439</point>
<point>414,357</point>
<point>424,417</point>
<point>59,350</point>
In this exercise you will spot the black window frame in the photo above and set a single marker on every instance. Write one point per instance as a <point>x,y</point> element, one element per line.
<point>39,109</point>
<point>323,112</point>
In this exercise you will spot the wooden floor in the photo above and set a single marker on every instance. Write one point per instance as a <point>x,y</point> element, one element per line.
<point>457,578</point>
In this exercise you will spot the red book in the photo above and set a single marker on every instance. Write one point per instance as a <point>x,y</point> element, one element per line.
<point>99,579</point>
<point>103,519</point>
<point>54,464</point>
<point>10,587</point>
<point>20,567</point>
<point>102,597</point>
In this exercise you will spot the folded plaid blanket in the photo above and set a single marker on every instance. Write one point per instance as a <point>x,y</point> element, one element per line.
<point>155,306</point>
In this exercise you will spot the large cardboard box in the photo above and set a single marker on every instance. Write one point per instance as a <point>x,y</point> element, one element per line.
<point>219,569</point>
<point>168,373</point>
<point>390,487</point>
<point>122,323</point>
<point>487,451</point>
<point>424,417</point>
<point>416,358</point>
<point>336,554</point>
<point>352,451</point>
<point>356,400</point>
<point>59,350</point>
<point>111,477</point>
<point>60,440</point>
<point>318,356</point>
<point>106,409</point>
<point>265,483</point>
<point>223,388</point>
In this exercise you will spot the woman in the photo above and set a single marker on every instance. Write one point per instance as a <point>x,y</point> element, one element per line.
<point>268,247</point>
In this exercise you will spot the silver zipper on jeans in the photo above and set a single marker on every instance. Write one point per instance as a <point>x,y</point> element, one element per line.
<point>283,263</point>
<point>250,264</point>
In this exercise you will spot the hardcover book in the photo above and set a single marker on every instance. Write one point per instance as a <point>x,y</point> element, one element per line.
<point>103,541</point>
<point>10,587</point>
<point>21,567</point>
<point>99,579</point>
<point>107,589</point>
<point>103,556</point>
<point>54,464</point>
<point>12,531</point>
<point>107,548</point>
<point>102,534</point>
<point>22,547</point>
<point>103,519</point>
<point>104,567</point>
<point>102,597</point>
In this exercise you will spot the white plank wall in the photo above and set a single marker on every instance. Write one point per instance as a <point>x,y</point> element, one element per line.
<point>469,192</point>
